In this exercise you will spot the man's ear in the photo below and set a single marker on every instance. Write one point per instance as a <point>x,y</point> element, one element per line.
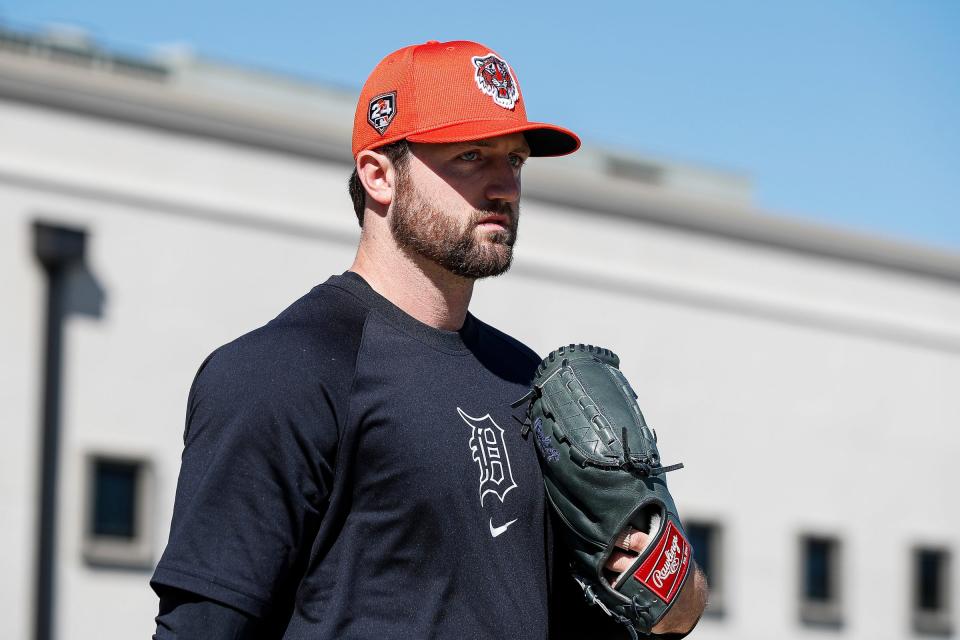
<point>377,175</point>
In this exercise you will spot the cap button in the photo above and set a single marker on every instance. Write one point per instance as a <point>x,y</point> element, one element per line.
<point>433,42</point>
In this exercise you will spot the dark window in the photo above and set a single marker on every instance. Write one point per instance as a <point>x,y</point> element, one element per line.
<point>700,535</point>
<point>818,560</point>
<point>115,499</point>
<point>118,529</point>
<point>820,585</point>
<point>931,595</point>
<point>930,579</point>
<point>705,539</point>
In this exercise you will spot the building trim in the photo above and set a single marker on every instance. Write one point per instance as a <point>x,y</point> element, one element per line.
<point>855,323</point>
<point>159,106</point>
<point>603,194</point>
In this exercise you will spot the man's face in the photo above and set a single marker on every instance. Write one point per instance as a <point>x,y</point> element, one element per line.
<point>458,204</point>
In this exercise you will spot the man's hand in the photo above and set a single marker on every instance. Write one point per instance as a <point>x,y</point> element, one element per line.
<point>691,600</point>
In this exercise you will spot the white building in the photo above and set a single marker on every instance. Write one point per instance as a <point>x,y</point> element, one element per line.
<point>807,376</point>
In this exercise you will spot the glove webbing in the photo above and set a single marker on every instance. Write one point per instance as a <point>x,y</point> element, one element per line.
<point>639,610</point>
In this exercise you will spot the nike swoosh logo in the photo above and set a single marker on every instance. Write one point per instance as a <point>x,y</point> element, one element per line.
<point>495,531</point>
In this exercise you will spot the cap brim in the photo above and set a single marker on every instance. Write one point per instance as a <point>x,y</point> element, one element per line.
<point>544,139</point>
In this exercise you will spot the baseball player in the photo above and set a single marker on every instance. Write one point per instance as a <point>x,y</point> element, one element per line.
<point>352,469</point>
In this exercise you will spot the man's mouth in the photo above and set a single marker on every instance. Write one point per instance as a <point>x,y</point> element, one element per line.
<point>494,221</point>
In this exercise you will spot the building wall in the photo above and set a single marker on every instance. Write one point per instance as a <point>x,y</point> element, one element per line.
<point>805,394</point>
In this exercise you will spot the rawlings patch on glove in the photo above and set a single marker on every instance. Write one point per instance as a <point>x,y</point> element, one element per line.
<point>604,478</point>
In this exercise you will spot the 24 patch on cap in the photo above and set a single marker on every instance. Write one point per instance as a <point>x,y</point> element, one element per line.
<point>382,110</point>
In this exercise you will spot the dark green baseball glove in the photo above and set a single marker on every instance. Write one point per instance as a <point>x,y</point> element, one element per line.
<point>603,475</point>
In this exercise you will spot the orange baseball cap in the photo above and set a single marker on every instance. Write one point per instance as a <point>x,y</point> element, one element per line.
<point>448,92</point>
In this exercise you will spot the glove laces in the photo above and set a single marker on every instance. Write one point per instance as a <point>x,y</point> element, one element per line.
<point>640,463</point>
<point>640,610</point>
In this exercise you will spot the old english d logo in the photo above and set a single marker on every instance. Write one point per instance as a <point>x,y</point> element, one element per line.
<point>489,451</point>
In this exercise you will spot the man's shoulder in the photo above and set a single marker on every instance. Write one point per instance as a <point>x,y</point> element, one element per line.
<point>316,337</point>
<point>504,352</point>
<point>507,342</point>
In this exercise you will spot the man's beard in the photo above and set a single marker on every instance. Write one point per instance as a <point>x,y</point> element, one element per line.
<point>419,226</point>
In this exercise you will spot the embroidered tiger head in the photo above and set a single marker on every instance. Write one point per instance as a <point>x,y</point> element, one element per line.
<point>495,79</point>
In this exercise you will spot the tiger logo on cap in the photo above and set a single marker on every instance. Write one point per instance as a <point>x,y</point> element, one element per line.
<point>495,79</point>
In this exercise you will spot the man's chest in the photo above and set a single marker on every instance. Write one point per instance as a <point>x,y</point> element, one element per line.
<point>437,439</point>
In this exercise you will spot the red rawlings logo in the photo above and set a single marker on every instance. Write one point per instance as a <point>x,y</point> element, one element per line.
<point>665,568</point>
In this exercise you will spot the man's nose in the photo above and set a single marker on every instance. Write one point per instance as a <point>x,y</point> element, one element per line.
<point>504,183</point>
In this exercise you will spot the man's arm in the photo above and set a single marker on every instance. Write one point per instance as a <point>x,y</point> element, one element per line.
<point>185,616</point>
<point>257,463</point>
<point>686,611</point>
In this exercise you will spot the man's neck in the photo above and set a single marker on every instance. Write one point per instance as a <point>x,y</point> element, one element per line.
<point>418,286</point>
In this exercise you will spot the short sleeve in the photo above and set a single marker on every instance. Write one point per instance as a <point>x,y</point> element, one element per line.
<point>258,460</point>
<point>187,615</point>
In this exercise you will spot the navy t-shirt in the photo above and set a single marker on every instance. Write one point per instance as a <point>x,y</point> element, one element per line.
<point>350,472</point>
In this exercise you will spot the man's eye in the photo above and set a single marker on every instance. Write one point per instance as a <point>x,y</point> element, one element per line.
<point>470,155</point>
<point>517,161</point>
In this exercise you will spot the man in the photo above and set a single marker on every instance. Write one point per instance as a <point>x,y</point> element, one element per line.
<point>351,469</point>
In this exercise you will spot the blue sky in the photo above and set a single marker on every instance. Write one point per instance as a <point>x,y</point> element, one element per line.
<point>842,112</point>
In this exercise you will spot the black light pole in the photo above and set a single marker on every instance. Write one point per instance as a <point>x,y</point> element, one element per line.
<point>58,249</point>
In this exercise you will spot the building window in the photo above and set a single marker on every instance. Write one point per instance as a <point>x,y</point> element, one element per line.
<point>820,581</point>
<point>931,591</point>
<point>705,538</point>
<point>115,499</point>
<point>117,531</point>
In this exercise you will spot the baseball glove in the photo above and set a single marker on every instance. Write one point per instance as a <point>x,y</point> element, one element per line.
<point>603,475</point>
